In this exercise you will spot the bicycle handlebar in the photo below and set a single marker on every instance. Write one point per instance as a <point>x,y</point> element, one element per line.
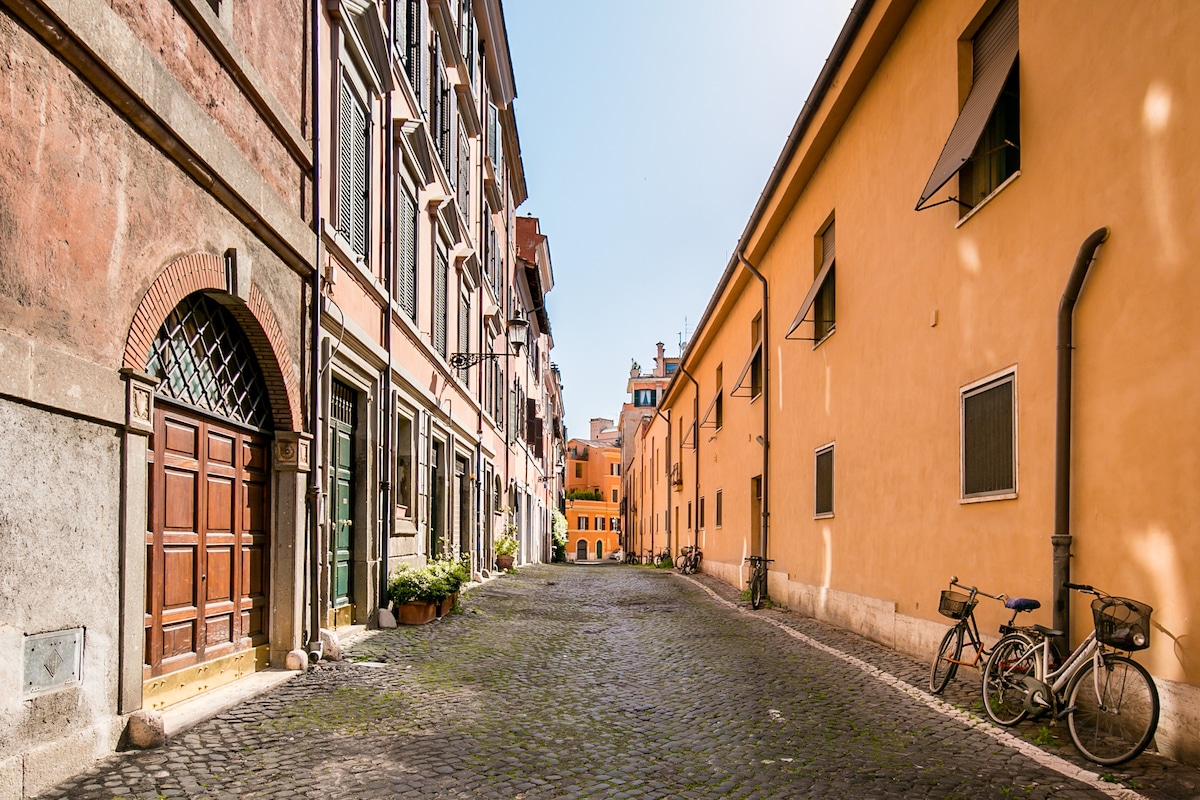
<point>975,589</point>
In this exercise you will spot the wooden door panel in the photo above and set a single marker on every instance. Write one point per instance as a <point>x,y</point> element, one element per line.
<point>179,570</point>
<point>180,437</point>
<point>220,574</point>
<point>220,504</point>
<point>207,541</point>
<point>180,501</point>
<point>220,449</point>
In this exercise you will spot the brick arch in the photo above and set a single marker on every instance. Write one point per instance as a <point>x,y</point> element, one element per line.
<point>205,272</point>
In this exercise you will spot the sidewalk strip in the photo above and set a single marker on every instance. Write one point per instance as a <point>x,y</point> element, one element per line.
<point>1032,751</point>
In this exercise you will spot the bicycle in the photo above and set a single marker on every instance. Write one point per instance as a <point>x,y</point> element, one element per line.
<point>689,560</point>
<point>632,558</point>
<point>758,580</point>
<point>961,607</point>
<point>1110,701</point>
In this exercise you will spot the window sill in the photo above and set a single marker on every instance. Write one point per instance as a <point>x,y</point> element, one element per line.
<point>818,342</point>
<point>987,199</point>
<point>823,516</point>
<point>987,498</point>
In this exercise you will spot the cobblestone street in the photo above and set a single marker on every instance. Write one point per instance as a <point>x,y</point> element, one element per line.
<point>615,682</point>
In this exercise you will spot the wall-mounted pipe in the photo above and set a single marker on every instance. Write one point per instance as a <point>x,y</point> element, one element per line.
<point>695,449</point>
<point>1061,540</point>
<point>314,479</point>
<point>387,488</point>
<point>667,419</point>
<point>766,434</point>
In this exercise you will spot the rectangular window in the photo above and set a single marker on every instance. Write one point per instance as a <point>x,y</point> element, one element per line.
<point>599,523</point>
<point>406,260</point>
<point>689,527</point>
<point>984,146</point>
<point>614,495</point>
<point>583,522</point>
<point>464,327</point>
<point>493,134</point>
<point>403,477</point>
<point>823,506</point>
<point>756,361</point>
<point>700,514</point>
<point>717,509</point>
<point>353,144</point>
<point>406,19</point>
<point>718,414</point>
<point>989,440</point>
<point>823,304</point>
<point>441,279</point>
<point>578,469</point>
<point>643,398</point>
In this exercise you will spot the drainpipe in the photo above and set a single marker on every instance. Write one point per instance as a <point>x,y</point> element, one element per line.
<point>389,268</point>
<point>667,418</point>
<point>1061,540</point>
<point>766,356</point>
<point>696,449</point>
<point>314,480</point>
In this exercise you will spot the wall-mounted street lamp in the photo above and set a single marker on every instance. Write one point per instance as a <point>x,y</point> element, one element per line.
<point>518,337</point>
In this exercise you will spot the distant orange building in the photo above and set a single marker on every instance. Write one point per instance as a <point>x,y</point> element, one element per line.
<point>593,494</point>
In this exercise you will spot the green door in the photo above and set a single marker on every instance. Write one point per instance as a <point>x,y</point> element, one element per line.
<point>343,404</point>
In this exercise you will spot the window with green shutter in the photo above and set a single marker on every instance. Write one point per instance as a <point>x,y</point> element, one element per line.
<point>353,143</point>
<point>440,279</point>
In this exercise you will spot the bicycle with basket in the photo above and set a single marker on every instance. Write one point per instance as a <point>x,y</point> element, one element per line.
<point>965,633</point>
<point>1109,701</point>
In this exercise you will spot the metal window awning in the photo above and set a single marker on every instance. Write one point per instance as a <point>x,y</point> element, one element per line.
<point>711,406</point>
<point>995,51</point>
<point>806,306</point>
<point>689,437</point>
<point>746,371</point>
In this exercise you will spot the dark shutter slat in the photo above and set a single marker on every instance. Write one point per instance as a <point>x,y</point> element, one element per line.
<point>361,183</point>
<point>824,488</point>
<point>407,268</point>
<point>344,159</point>
<point>996,48</point>
<point>988,440</point>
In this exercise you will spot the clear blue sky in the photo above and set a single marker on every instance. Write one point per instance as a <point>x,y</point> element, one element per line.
<point>648,129</point>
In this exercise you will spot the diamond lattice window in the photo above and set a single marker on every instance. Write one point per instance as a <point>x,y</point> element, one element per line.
<point>203,359</point>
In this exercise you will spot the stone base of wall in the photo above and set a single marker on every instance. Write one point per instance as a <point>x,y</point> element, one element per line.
<point>41,767</point>
<point>1178,735</point>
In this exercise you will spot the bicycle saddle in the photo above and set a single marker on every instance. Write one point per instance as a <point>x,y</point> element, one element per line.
<point>1022,604</point>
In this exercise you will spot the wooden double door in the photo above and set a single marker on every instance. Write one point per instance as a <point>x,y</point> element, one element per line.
<point>207,543</point>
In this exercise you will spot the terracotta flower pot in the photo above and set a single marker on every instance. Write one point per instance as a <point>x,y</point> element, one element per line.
<point>447,605</point>
<point>504,562</point>
<point>416,612</point>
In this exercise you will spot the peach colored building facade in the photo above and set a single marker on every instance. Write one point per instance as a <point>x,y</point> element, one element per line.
<point>881,409</point>
<point>593,519</point>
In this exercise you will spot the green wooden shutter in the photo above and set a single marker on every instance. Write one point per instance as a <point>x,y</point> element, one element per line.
<point>406,269</point>
<point>440,279</point>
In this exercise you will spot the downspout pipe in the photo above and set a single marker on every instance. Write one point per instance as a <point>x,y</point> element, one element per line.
<point>667,419</point>
<point>695,448</point>
<point>1061,540</point>
<point>389,422</point>
<point>766,410</point>
<point>314,479</point>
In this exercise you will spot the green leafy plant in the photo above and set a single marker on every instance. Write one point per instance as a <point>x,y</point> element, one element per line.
<point>585,494</point>
<point>434,582</point>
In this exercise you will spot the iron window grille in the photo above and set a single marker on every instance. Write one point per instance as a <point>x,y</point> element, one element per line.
<point>203,360</point>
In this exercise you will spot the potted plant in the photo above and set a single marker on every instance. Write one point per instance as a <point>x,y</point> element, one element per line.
<point>411,589</point>
<point>507,546</point>
<point>448,576</point>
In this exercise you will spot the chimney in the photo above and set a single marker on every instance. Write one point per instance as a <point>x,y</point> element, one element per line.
<point>660,363</point>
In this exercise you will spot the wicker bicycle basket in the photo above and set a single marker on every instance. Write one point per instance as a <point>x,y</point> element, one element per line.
<point>1122,623</point>
<point>955,605</point>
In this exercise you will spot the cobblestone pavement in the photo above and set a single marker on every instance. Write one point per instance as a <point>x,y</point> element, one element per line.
<point>613,682</point>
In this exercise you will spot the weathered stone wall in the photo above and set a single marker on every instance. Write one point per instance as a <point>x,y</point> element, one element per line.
<point>59,510</point>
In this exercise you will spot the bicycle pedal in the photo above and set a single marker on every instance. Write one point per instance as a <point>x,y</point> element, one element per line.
<point>1065,712</point>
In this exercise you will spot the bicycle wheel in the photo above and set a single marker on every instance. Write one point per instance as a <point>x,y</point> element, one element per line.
<point>943,669</point>
<point>1115,711</point>
<point>758,588</point>
<point>1013,660</point>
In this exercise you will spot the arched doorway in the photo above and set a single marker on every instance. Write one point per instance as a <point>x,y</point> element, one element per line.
<point>208,532</point>
<point>599,550</point>
<point>581,550</point>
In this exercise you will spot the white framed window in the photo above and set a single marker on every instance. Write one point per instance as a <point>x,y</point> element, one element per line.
<point>823,503</point>
<point>988,418</point>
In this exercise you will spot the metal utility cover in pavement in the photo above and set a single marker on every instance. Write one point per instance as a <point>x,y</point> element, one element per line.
<point>53,661</point>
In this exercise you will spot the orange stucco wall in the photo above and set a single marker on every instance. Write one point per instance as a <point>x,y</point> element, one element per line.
<point>928,304</point>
